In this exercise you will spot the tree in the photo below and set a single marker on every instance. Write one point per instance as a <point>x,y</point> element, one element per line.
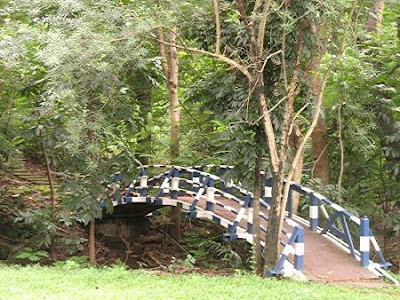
<point>170,65</point>
<point>251,61</point>
<point>87,87</point>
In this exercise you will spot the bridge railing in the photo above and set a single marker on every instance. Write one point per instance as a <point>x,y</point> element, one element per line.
<point>322,208</point>
<point>173,183</point>
<point>336,221</point>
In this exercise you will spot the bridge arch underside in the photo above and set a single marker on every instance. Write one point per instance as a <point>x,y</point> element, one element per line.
<point>323,259</point>
<point>143,206</point>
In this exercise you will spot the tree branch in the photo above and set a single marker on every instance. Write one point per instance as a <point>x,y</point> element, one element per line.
<point>220,57</point>
<point>261,27</point>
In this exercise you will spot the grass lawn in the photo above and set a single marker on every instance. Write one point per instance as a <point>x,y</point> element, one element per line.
<point>36,282</point>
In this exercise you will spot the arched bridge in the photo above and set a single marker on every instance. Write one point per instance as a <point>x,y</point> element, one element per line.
<point>332,244</point>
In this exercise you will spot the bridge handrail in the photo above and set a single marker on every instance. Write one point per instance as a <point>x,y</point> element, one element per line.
<point>317,202</point>
<point>172,175</point>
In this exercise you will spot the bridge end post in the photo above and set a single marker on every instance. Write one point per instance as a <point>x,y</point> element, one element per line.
<point>364,241</point>
<point>313,213</point>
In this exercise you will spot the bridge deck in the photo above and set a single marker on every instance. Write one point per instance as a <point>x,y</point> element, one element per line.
<point>324,260</point>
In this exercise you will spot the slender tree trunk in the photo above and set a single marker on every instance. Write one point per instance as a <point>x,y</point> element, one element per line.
<point>374,21</point>
<point>272,242</point>
<point>170,66</point>
<point>92,224</point>
<point>175,111</point>
<point>92,241</point>
<point>52,195</point>
<point>341,146</point>
<point>256,216</point>
<point>296,140</point>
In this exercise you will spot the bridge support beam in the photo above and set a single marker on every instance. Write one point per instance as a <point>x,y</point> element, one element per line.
<point>295,245</point>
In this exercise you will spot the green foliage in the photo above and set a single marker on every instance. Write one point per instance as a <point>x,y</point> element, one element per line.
<point>29,254</point>
<point>73,263</point>
<point>189,262</point>
<point>222,251</point>
<point>37,228</point>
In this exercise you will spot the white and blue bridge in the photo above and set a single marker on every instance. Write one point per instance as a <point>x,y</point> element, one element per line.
<point>332,244</point>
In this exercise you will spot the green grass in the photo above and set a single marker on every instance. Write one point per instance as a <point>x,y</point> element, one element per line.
<point>36,282</point>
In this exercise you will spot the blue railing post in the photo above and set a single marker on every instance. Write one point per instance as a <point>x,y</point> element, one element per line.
<point>250,215</point>
<point>313,214</point>
<point>364,241</point>
<point>299,250</point>
<point>175,184</point>
<point>290,203</point>
<point>268,190</point>
<point>229,185</point>
<point>210,195</point>
<point>196,181</point>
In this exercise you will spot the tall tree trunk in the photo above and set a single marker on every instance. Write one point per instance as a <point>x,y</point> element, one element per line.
<point>272,241</point>
<point>175,113</point>
<point>279,199</point>
<point>319,138</point>
<point>374,21</point>
<point>319,152</point>
<point>170,66</point>
<point>256,215</point>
